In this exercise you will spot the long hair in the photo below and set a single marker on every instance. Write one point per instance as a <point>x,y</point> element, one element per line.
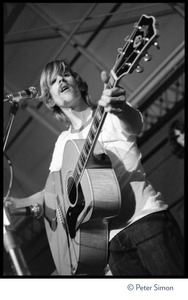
<point>50,71</point>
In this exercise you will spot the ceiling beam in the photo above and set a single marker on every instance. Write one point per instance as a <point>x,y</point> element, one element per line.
<point>178,8</point>
<point>11,19</point>
<point>34,34</point>
<point>74,41</point>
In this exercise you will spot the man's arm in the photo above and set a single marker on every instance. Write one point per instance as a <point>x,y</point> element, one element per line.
<point>114,101</point>
<point>131,119</point>
<point>13,203</point>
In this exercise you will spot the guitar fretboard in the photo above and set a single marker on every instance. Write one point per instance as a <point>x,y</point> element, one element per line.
<point>98,120</point>
<point>136,45</point>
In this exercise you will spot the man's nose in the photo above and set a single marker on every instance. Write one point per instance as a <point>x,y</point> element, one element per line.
<point>61,79</point>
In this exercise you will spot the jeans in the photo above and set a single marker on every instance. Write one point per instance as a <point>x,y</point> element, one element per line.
<point>152,246</point>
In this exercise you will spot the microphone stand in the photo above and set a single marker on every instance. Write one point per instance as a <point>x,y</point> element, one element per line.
<point>10,243</point>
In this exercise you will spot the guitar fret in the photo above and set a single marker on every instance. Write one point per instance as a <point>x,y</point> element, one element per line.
<point>87,146</point>
<point>77,173</point>
<point>91,136</point>
<point>98,115</point>
<point>111,81</point>
<point>89,139</point>
<point>94,126</point>
<point>85,151</point>
<point>82,158</point>
<point>79,166</point>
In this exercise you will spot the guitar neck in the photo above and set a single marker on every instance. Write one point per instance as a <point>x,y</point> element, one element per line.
<point>96,126</point>
<point>136,45</point>
<point>99,117</point>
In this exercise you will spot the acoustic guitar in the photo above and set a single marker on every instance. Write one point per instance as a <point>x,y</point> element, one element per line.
<point>84,195</point>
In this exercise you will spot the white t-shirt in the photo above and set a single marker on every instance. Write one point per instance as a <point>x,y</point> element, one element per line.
<point>138,197</point>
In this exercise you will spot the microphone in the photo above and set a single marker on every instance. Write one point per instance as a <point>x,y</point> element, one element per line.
<point>25,94</point>
<point>35,210</point>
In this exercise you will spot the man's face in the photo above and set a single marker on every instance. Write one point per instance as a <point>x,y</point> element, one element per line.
<point>64,91</point>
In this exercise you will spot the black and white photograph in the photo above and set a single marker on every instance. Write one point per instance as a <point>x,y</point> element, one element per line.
<point>93,144</point>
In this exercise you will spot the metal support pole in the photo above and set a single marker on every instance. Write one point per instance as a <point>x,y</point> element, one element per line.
<point>13,249</point>
<point>37,9</point>
<point>10,243</point>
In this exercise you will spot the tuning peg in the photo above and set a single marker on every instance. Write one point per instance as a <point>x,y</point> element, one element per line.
<point>156,45</point>
<point>137,26</point>
<point>147,57</point>
<point>139,69</point>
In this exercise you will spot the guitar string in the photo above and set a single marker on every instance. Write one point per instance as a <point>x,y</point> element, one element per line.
<point>122,53</point>
<point>67,235</point>
<point>98,118</point>
<point>82,159</point>
<point>70,240</point>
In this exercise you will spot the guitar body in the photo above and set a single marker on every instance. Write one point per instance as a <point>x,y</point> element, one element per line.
<point>79,240</point>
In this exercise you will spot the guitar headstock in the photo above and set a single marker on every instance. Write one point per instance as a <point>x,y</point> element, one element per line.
<point>144,35</point>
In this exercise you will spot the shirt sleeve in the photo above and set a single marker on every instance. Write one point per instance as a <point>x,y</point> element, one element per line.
<point>57,156</point>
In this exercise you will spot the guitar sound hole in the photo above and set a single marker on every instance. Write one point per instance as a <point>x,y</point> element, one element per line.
<point>72,190</point>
